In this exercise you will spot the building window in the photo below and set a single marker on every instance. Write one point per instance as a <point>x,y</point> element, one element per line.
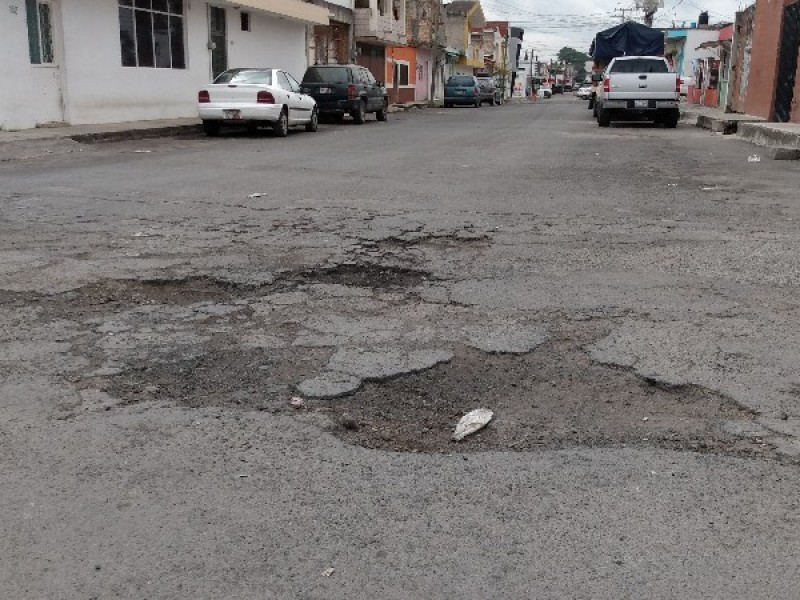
<point>151,33</point>
<point>40,32</point>
<point>401,73</point>
<point>245,21</point>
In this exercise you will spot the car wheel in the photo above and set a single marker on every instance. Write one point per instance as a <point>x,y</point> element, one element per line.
<point>603,117</point>
<point>281,126</point>
<point>671,119</point>
<point>211,128</point>
<point>383,113</point>
<point>477,104</point>
<point>359,113</point>
<point>252,128</point>
<point>313,122</point>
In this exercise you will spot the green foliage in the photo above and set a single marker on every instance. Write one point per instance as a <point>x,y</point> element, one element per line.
<point>572,57</point>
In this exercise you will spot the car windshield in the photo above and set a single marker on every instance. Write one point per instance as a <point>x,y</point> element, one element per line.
<point>640,65</point>
<point>462,81</point>
<point>247,76</point>
<point>327,75</point>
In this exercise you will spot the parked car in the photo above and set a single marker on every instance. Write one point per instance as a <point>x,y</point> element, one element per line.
<point>639,86</point>
<point>567,87</point>
<point>584,92</point>
<point>346,89</point>
<point>462,89</point>
<point>489,91</point>
<point>558,88</point>
<point>253,98</point>
<point>545,91</point>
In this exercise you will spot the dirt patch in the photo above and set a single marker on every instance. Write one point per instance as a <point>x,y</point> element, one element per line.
<point>554,397</point>
<point>368,275</point>
<point>224,375</point>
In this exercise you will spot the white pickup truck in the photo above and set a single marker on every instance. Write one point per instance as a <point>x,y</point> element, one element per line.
<point>639,86</point>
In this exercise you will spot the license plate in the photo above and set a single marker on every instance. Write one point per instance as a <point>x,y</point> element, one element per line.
<point>459,91</point>
<point>640,104</point>
<point>324,90</point>
<point>232,114</point>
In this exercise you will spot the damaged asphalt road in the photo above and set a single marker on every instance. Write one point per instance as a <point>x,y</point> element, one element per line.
<point>631,316</point>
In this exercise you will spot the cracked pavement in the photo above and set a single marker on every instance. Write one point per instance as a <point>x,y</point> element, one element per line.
<point>625,301</point>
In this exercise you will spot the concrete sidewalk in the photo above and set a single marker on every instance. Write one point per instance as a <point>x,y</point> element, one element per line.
<point>108,131</point>
<point>781,140</point>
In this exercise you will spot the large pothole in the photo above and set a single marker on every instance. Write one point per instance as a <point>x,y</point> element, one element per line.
<point>552,398</point>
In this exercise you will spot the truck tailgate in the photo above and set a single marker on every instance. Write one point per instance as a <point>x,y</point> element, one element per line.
<point>642,86</point>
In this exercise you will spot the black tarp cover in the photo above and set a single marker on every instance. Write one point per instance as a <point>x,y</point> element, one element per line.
<point>628,39</point>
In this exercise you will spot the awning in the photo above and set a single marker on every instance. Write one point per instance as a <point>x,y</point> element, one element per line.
<point>295,10</point>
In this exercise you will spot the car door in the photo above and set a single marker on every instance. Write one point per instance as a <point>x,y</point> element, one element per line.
<point>305,103</point>
<point>293,101</point>
<point>374,90</point>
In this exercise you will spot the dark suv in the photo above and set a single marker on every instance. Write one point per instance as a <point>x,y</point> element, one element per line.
<point>351,89</point>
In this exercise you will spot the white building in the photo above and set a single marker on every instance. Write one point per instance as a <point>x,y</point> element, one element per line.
<point>98,61</point>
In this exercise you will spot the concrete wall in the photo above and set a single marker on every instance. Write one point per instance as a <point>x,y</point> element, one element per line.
<point>96,88</point>
<point>760,100</point>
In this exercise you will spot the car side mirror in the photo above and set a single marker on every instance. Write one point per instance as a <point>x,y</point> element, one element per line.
<point>597,77</point>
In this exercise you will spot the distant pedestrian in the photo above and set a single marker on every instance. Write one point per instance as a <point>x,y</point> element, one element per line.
<point>534,94</point>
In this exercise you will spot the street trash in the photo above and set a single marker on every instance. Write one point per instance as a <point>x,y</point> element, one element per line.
<point>754,158</point>
<point>471,422</point>
<point>328,572</point>
<point>645,418</point>
<point>257,195</point>
<point>141,234</point>
<point>142,151</point>
<point>297,402</point>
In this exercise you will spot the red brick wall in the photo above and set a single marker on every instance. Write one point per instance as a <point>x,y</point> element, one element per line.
<point>760,100</point>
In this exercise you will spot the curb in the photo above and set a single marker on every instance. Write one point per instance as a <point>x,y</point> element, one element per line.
<point>136,134</point>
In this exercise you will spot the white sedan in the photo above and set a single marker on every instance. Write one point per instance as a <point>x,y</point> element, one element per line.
<point>584,92</point>
<point>256,97</point>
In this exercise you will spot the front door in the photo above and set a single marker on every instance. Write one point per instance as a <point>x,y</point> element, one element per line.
<point>217,41</point>
<point>43,45</point>
<point>787,67</point>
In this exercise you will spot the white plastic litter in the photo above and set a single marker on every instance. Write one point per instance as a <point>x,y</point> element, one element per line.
<point>328,572</point>
<point>471,422</point>
<point>754,158</point>
<point>257,195</point>
<point>297,402</point>
<point>142,151</point>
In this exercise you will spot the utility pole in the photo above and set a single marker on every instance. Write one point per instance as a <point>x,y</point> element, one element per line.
<point>435,53</point>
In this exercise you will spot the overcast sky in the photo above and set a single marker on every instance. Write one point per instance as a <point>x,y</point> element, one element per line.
<point>550,25</point>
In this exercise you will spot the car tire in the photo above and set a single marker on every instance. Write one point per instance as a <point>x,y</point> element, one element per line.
<point>671,118</point>
<point>477,104</point>
<point>281,126</point>
<point>603,117</point>
<point>359,113</point>
<point>491,102</point>
<point>313,122</point>
<point>383,113</point>
<point>211,128</point>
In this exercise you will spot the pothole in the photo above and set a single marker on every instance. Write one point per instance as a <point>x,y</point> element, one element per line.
<point>553,398</point>
<point>367,275</point>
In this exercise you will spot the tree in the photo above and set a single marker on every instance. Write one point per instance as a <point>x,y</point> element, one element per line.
<point>576,59</point>
<point>572,57</point>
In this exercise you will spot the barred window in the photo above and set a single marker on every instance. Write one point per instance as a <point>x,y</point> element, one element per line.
<point>151,33</point>
<point>40,32</point>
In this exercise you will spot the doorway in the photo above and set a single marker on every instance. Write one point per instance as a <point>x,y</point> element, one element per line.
<point>787,67</point>
<point>217,41</point>
<point>44,50</point>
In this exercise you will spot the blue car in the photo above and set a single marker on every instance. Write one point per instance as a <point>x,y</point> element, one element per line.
<point>462,89</point>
